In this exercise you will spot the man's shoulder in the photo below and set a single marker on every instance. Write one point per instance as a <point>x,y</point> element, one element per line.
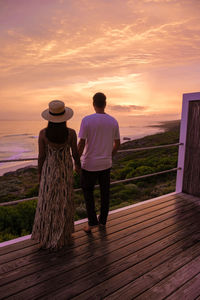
<point>88,117</point>
<point>112,119</point>
<point>96,117</point>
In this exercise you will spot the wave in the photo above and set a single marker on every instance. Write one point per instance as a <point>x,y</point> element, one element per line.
<point>13,135</point>
<point>17,151</point>
<point>33,137</point>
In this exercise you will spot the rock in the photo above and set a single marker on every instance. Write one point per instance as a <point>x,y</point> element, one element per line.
<point>126,138</point>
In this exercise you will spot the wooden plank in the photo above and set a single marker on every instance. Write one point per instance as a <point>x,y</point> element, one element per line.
<point>188,197</point>
<point>12,256</point>
<point>160,222</point>
<point>73,274</point>
<point>78,228</point>
<point>108,279</point>
<point>17,246</point>
<point>141,207</point>
<point>19,268</point>
<point>104,235</point>
<point>127,212</point>
<point>188,291</point>
<point>22,252</point>
<point>133,213</point>
<point>60,279</point>
<point>149,280</point>
<point>155,283</point>
<point>100,250</point>
<point>117,232</point>
<point>168,285</point>
<point>132,273</point>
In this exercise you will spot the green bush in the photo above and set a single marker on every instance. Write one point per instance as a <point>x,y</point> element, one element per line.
<point>144,170</point>
<point>32,192</point>
<point>80,213</point>
<point>16,220</point>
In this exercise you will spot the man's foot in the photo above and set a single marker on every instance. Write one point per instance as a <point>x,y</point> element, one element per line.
<point>88,228</point>
<point>101,224</point>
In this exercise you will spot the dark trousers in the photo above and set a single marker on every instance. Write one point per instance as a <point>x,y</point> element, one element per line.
<point>88,181</point>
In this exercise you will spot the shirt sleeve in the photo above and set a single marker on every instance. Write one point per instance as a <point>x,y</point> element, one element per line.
<point>117,134</point>
<point>83,130</point>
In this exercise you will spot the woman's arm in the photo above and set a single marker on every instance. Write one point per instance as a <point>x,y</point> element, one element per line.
<point>42,152</point>
<point>81,146</point>
<point>74,148</point>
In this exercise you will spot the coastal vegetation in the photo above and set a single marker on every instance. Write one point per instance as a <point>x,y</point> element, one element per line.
<point>17,220</point>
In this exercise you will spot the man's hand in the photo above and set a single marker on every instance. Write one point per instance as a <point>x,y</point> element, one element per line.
<point>78,169</point>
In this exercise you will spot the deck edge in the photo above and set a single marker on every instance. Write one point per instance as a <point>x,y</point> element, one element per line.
<point>26,237</point>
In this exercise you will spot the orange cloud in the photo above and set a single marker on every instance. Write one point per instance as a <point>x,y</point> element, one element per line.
<point>140,53</point>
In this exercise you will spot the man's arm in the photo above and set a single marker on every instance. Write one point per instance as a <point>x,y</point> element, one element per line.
<point>81,146</point>
<point>115,147</point>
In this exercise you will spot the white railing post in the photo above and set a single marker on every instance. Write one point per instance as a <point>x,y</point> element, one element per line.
<point>182,140</point>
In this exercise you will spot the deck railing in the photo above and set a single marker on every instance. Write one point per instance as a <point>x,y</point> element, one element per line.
<point>112,183</point>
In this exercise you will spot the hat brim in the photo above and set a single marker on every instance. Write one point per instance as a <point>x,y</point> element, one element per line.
<point>58,119</point>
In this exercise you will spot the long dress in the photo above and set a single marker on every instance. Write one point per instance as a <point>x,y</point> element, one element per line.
<point>54,218</point>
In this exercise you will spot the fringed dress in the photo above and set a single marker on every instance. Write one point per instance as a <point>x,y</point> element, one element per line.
<point>54,218</point>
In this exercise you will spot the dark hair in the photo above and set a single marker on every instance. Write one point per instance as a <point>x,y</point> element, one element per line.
<point>99,100</point>
<point>57,132</point>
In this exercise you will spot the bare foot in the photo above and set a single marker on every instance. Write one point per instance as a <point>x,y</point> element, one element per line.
<point>87,228</point>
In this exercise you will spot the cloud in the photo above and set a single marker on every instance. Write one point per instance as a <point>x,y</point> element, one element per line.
<point>126,108</point>
<point>141,49</point>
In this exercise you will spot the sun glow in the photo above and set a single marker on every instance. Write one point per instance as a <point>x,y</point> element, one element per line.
<point>142,54</point>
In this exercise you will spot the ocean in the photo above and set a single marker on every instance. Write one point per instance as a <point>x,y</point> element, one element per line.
<point>19,139</point>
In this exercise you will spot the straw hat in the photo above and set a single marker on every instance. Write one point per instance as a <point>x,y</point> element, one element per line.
<point>57,112</point>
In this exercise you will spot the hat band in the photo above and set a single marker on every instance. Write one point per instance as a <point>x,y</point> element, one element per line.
<point>57,114</point>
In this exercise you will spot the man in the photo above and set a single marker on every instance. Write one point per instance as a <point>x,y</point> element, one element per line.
<point>99,142</point>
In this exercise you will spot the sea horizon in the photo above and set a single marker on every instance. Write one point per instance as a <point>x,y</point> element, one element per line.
<point>19,140</point>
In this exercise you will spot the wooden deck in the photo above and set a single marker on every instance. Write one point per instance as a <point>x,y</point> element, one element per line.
<point>150,251</point>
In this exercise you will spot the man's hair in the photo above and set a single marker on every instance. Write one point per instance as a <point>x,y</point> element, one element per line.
<point>99,100</point>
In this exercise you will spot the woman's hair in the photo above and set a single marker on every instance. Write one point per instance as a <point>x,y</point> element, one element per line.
<point>57,132</point>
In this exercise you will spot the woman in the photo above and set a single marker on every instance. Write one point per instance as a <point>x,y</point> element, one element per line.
<point>54,218</point>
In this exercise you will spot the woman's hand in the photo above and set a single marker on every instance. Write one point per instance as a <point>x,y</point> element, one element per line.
<point>78,169</point>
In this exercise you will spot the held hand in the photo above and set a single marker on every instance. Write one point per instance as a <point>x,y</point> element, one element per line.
<point>78,169</point>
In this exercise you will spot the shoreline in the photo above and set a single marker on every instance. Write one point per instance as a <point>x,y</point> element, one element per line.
<point>15,168</point>
<point>23,182</point>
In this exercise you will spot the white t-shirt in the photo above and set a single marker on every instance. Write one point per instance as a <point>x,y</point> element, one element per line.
<point>99,132</point>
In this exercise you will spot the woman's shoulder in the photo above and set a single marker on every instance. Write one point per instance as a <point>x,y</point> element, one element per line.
<point>42,132</point>
<point>72,131</point>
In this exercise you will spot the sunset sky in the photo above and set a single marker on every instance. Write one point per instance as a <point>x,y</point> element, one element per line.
<point>143,54</point>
